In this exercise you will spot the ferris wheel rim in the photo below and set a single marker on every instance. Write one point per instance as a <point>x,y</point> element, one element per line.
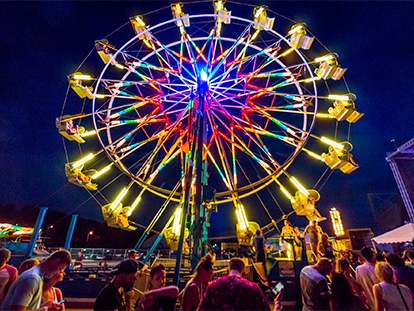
<point>264,181</point>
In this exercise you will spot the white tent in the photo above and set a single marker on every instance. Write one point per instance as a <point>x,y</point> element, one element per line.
<point>401,234</point>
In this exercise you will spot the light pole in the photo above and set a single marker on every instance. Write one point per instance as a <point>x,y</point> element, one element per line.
<point>87,237</point>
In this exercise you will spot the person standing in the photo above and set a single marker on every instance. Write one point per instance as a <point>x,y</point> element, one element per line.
<point>159,296</point>
<point>260,248</point>
<point>388,295</point>
<point>110,298</point>
<point>314,232</point>
<point>314,285</point>
<point>325,247</point>
<point>288,233</point>
<point>194,290</point>
<point>129,291</point>
<point>8,274</point>
<point>365,275</point>
<point>342,297</point>
<point>26,292</point>
<point>233,292</point>
<point>404,273</point>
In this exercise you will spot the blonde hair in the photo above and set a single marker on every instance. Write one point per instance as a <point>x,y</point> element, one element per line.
<point>384,272</point>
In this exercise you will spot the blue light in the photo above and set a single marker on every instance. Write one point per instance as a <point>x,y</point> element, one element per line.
<point>203,75</point>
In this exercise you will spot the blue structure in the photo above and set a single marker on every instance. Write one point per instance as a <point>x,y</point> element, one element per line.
<point>70,232</point>
<point>36,231</point>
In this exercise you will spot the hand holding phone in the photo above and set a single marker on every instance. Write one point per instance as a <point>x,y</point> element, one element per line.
<point>276,290</point>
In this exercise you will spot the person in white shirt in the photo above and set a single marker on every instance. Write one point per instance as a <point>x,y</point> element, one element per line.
<point>26,292</point>
<point>365,275</point>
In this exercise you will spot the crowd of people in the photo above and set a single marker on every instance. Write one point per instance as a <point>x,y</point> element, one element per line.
<point>32,286</point>
<point>378,282</point>
<point>368,281</point>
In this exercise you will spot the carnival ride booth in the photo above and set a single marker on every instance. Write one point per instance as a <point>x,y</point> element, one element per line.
<point>395,239</point>
<point>14,233</point>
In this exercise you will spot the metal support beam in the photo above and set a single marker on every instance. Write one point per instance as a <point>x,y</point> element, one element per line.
<point>36,231</point>
<point>403,191</point>
<point>70,232</point>
<point>198,250</point>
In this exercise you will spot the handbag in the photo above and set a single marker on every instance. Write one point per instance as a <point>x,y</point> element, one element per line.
<point>402,297</point>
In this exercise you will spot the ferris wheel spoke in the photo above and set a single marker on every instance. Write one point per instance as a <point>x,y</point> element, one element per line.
<point>173,56</point>
<point>153,153</point>
<point>238,138</point>
<point>222,155</point>
<point>223,56</point>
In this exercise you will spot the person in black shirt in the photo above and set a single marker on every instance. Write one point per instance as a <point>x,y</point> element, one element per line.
<point>109,297</point>
<point>78,261</point>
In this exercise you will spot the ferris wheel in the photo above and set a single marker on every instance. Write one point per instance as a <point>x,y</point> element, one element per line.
<point>206,102</point>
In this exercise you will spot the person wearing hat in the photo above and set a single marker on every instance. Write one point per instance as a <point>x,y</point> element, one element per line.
<point>109,297</point>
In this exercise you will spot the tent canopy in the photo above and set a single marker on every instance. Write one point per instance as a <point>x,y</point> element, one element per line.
<point>401,234</point>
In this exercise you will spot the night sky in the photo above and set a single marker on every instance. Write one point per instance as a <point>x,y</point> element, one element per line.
<point>43,42</point>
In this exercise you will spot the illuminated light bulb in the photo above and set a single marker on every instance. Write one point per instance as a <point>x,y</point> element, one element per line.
<point>324,115</point>
<point>119,66</point>
<point>314,155</point>
<point>255,35</point>
<point>102,171</point>
<point>219,5</point>
<point>178,8</point>
<point>82,77</point>
<point>299,186</point>
<point>119,198</point>
<point>203,75</point>
<point>287,194</point>
<point>176,224</point>
<point>324,58</point>
<point>286,52</point>
<point>240,220</point>
<point>259,11</point>
<point>133,206</point>
<point>89,133</point>
<point>82,161</point>
<point>243,214</point>
<point>100,96</point>
<point>140,21</point>
<point>296,29</point>
<point>338,97</point>
<point>332,143</point>
<point>312,79</point>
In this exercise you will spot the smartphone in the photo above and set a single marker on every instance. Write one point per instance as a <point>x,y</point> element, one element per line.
<point>63,301</point>
<point>276,290</point>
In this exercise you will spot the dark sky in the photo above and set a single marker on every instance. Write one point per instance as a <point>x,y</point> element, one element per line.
<point>43,42</point>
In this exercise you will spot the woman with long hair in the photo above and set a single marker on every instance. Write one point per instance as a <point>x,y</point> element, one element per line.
<point>159,296</point>
<point>344,267</point>
<point>342,297</point>
<point>51,293</point>
<point>388,294</point>
<point>325,247</point>
<point>194,290</point>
